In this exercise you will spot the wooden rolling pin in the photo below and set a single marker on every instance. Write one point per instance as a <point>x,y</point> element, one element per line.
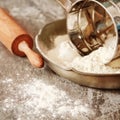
<point>17,40</point>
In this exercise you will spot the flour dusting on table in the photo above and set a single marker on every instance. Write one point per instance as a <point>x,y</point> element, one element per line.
<point>36,100</point>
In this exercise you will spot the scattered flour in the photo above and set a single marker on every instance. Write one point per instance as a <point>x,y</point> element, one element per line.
<point>65,55</point>
<point>36,100</point>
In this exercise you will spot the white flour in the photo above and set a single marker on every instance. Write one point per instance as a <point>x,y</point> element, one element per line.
<point>64,55</point>
<point>36,100</point>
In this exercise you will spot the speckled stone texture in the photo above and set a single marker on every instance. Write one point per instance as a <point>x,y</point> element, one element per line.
<point>28,93</point>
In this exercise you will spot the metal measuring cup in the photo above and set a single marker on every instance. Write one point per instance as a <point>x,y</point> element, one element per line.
<point>91,22</point>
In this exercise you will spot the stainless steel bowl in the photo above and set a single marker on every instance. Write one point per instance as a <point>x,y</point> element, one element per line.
<point>45,41</point>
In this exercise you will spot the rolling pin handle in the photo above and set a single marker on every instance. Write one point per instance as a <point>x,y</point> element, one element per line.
<point>34,58</point>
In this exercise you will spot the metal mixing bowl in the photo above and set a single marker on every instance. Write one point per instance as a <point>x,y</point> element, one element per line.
<point>45,41</point>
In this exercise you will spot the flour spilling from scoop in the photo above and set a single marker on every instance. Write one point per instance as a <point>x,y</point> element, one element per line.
<point>64,54</point>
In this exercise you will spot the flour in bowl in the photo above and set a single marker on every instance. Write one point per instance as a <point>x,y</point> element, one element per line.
<point>64,55</point>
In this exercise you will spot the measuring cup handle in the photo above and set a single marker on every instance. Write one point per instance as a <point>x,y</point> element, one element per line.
<point>66,4</point>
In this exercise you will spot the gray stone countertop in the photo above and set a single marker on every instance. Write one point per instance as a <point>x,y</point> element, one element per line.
<point>28,93</point>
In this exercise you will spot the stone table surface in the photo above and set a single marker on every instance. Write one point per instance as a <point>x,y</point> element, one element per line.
<point>28,93</point>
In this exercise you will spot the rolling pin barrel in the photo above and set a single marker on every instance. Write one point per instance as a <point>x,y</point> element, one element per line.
<point>16,39</point>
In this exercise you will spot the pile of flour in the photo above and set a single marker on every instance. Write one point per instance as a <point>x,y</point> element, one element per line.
<point>63,54</point>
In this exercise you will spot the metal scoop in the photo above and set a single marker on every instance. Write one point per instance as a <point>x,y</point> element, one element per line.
<point>90,23</point>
